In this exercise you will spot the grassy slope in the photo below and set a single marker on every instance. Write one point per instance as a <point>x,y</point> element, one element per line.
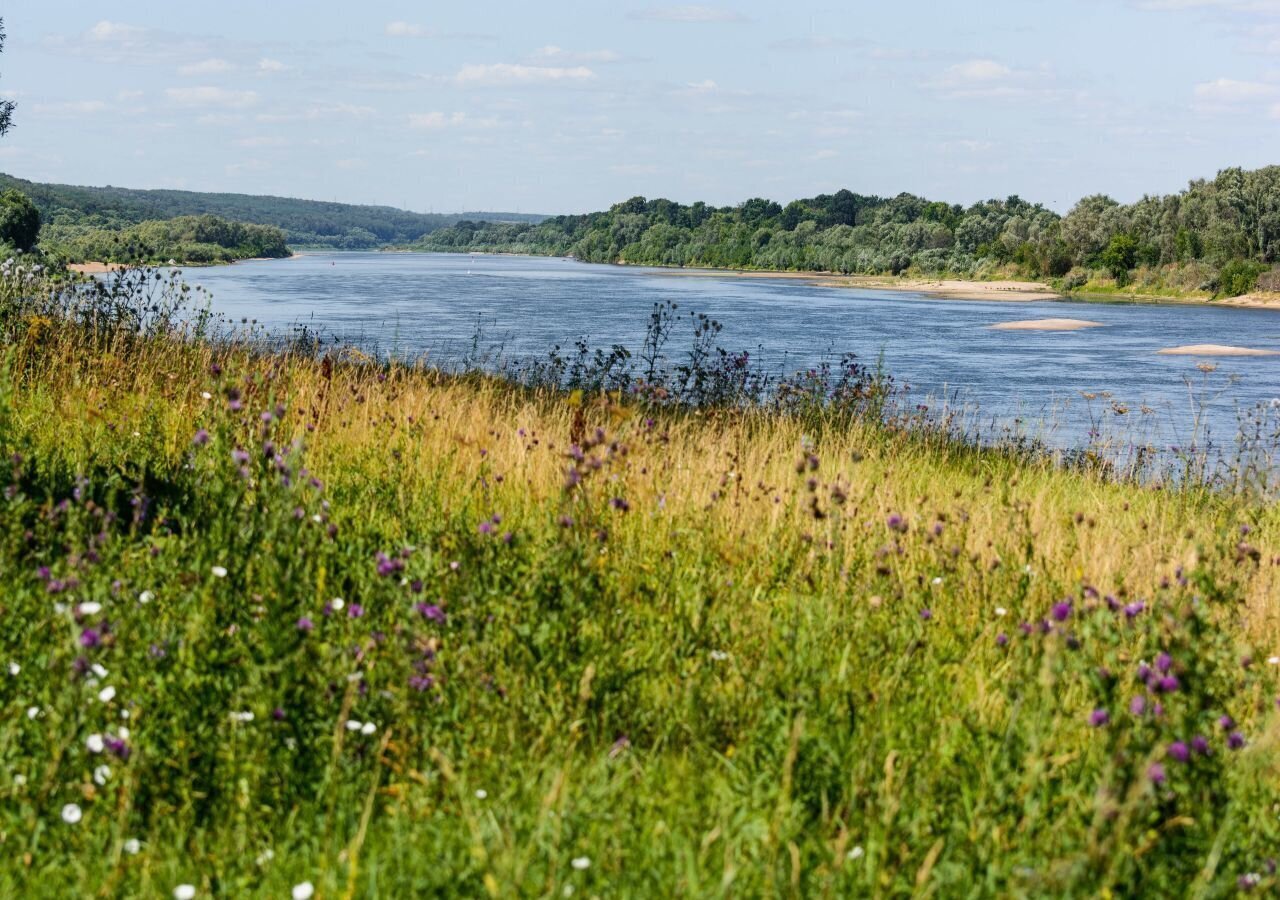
<point>793,725</point>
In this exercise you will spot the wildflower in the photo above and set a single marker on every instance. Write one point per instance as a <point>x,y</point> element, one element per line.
<point>94,743</point>
<point>101,774</point>
<point>239,457</point>
<point>481,794</point>
<point>581,863</point>
<point>355,611</point>
<point>368,728</point>
<point>1156,773</point>
<point>1168,684</point>
<point>926,614</point>
<point>184,892</point>
<point>619,746</point>
<point>14,668</point>
<point>1099,718</point>
<point>431,612</point>
<point>1235,740</point>
<point>201,438</point>
<point>1248,881</point>
<point>486,527</point>
<point>132,846</point>
<point>107,694</point>
<point>302,891</point>
<point>304,624</point>
<point>278,714</point>
<point>855,853</point>
<point>71,814</point>
<point>895,522</point>
<point>1164,662</point>
<point>1132,610</point>
<point>1138,705</point>
<point>33,712</point>
<point>1226,722</point>
<point>1062,611</point>
<point>245,716</point>
<point>719,655</point>
<point>337,603</point>
<point>1178,751</point>
<point>89,609</point>
<point>205,395</point>
<point>1200,744</point>
<point>99,669</point>
<point>1001,611</point>
<point>937,580</point>
<point>1273,660</point>
<point>353,725</point>
<point>1002,639</point>
<point>219,571</point>
<point>146,597</point>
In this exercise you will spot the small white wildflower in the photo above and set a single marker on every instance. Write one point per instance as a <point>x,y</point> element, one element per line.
<point>317,518</point>
<point>368,728</point>
<point>303,891</point>
<point>1027,569</point>
<point>19,780</point>
<point>146,597</point>
<point>567,891</point>
<point>218,572</point>
<point>101,774</point>
<point>719,655</point>
<point>14,668</point>
<point>1274,660</point>
<point>1001,611</point>
<point>94,743</point>
<point>124,732</point>
<point>245,716</point>
<point>71,814</point>
<point>481,794</point>
<point>855,853</point>
<point>937,580</point>
<point>354,725</point>
<point>89,609</point>
<point>33,711</point>
<point>265,857</point>
<point>59,608</point>
<point>581,862</point>
<point>107,694</point>
<point>184,892</point>
<point>206,395</point>
<point>99,669</point>
<point>337,603</point>
<point>132,846</point>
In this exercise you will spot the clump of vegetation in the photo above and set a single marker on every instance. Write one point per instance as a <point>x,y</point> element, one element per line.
<point>287,619</point>
<point>189,240</point>
<point>1233,220</point>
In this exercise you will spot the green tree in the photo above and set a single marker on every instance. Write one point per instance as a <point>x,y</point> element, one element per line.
<point>1120,256</point>
<point>19,220</point>
<point>6,106</point>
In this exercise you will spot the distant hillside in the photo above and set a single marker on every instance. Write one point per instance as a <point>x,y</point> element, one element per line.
<point>306,223</point>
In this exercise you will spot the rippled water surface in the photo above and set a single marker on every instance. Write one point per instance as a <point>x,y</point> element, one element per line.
<point>415,304</point>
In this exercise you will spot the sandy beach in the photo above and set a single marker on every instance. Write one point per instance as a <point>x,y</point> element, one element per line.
<point>955,289</point>
<point>1215,350</point>
<point>1046,325</point>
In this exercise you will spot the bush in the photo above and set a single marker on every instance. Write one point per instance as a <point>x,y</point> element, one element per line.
<point>19,220</point>
<point>1239,277</point>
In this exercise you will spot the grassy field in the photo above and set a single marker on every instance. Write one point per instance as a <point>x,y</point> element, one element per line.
<point>273,622</point>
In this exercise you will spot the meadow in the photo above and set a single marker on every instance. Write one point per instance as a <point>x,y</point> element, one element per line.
<point>287,622</point>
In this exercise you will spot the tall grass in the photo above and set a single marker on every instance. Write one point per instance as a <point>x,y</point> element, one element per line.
<point>274,618</point>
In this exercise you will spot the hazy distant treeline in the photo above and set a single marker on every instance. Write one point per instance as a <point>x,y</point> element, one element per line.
<point>306,223</point>
<point>1216,236</point>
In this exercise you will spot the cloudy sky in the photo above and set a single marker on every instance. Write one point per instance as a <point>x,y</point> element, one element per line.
<point>564,106</point>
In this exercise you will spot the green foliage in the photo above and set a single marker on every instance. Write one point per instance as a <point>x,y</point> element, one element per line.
<point>1239,277</point>
<point>187,239</point>
<point>305,222</point>
<point>19,220</point>
<point>1120,255</point>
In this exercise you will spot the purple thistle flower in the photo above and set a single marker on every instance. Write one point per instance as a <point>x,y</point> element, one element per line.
<point>1200,744</point>
<point>1138,705</point>
<point>355,611</point>
<point>1132,610</point>
<point>486,527</point>
<point>1179,752</point>
<point>895,522</point>
<point>1062,611</point>
<point>1144,673</point>
<point>90,638</point>
<point>1099,718</point>
<point>239,457</point>
<point>620,504</point>
<point>1156,773</point>
<point>201,438</point>
<point>116,746</point>
<point>1226,722</point>
<point>278,714</point>
<point>1164,662</point>
<point>1169,684</point>
<point>926,614</point>
<point>1235,740</point>
<point>305,624</point>
<point>1002,639</point>
<point>421,682</point>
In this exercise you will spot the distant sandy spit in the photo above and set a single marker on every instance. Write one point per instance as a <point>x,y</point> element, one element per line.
<point>1215,350</point>
<point>955,289</point>
<point>1257,300</point>
<point>1046,325</point>
<point>96,268</point>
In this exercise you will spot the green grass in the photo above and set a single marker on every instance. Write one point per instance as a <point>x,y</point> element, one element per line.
<point>775,672</point>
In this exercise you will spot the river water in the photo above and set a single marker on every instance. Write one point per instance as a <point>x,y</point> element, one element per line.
<point>1057,386</point>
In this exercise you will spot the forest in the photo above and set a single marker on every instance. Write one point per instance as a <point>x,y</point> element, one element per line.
<point>306,223</point>
<point>191,240</point>
<point>1218,236</point>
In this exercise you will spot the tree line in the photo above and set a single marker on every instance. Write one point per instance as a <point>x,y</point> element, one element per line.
<point>1217,236</point>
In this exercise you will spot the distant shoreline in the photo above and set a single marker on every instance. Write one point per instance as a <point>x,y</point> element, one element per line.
<point>104,268</point>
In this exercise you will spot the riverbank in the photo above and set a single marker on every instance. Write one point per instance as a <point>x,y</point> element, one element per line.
<point>103,268</point>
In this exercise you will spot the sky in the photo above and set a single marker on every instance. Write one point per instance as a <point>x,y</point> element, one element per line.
<point>559,106</point>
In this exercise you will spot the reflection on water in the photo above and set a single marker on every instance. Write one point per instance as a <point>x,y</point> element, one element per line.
<point>1058,385</point>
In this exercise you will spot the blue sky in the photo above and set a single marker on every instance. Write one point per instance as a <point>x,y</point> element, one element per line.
<point>561,106</point>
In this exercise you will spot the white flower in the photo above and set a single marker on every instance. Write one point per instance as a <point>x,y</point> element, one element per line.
<point>33,711</point>
<point>184,892</point>
<point>481,794</point>
<point>317,518</point>
<point>337,603</point>
<point>99,669</point>
<point>353,725</point>
<point>1274,660</point>
<point>14,668</point>
<point>1001,611</point>
<point>303,891</point>
<point>581,862</point>
<point>855,853</point>
<point>71,814</point>
<point>89,609</point>
<point>124,732</point>
<point>206,395</point>
<point>719,655</point>
<point>95,743</point>
<point>19,780</point>
<point>245,716</point>
<point>265,857</point>
<point>368,728</point>
<point>132,846</point>
<point>146,597</point>
<point>218,572</point>
<point>107,694</point>
<point>101,774</point>
<point>937,580</point>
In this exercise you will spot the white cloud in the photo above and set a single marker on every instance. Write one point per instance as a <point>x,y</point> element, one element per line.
<point>206,67</point>
<point>1229,92</point>
<point>977,71</point>
<point>701,87</point>
<point>515,74</point>
<point>987,79</point>
<point>689,14</point>
<point>271,65</point>
<point>407,29</point>
<point>114,31</point>
<point>553,54</point>
<point>433,120</point>
<point>211,96</point>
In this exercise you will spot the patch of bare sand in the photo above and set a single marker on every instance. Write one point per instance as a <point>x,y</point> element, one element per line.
<point>1046,325</point>
<point>96,268</point>
<point>1257,300</point>
<point>1215,350</point>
